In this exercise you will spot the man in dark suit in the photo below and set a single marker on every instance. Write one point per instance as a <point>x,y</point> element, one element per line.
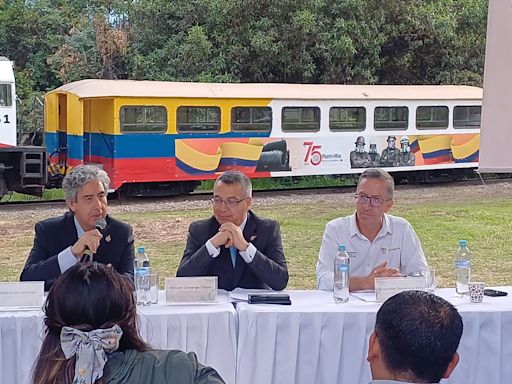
<point>242,249</point>
<point>61,242</point>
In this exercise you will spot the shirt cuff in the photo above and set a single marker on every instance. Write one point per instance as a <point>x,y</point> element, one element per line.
<point>66,260</point>
<point>212,250</point>
<point>249,253</point>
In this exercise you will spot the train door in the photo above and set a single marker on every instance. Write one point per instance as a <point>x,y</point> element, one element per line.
<point>87,142</point>
<point>62,130</point>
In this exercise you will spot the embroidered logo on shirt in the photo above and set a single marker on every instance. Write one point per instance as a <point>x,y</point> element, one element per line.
<point>384,250</point>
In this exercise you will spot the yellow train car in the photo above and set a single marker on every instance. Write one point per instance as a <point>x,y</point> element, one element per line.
<point>165,137</point>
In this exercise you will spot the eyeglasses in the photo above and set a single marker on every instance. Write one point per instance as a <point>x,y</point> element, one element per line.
<point>231,203</point>
<point>374,200</point>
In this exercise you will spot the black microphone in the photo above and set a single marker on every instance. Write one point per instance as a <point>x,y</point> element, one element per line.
<point>100,225</point>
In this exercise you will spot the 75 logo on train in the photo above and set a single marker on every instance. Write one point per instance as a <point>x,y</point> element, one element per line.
<point>313,154</point>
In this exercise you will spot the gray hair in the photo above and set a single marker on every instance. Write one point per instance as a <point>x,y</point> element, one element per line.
<point>236,177</point>
<point>379,174</point>
<point>81,175</point>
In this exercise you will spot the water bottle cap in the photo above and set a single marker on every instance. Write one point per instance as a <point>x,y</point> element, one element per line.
<point>463,243</point>
<point>342,247</point>
<point>141,250</point>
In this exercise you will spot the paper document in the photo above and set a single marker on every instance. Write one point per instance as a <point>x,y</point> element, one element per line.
<point>368,296</point>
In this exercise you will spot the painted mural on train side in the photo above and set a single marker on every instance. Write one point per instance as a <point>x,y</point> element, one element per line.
<point>324,155</point>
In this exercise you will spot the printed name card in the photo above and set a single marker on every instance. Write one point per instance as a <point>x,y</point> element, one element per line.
<point>22,294</point>
<point>385,287</point>
<point>191,289</point>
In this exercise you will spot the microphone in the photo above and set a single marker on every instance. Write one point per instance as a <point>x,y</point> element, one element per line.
<point>100,225</point>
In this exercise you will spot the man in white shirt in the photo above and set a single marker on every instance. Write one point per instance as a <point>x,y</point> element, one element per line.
<point>415,339</point>
<point>240,248</point>
<point>379,244</point>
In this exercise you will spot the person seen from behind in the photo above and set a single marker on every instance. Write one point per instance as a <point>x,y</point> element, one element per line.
<point>415,339</point>
<point>92,337</point>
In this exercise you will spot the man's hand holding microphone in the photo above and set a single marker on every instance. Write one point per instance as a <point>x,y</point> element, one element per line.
<point>87,245</point>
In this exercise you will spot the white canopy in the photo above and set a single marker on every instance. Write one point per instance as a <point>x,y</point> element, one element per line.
<point>496,133</point>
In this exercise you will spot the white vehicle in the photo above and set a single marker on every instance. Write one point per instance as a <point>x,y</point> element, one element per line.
<point>22,168</point>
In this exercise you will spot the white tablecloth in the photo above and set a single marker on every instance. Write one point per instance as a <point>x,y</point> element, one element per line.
<point>209,330</point>
<point>311,341</point>
<point>317,341</point>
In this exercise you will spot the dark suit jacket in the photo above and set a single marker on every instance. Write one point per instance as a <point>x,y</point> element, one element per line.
<point>56,234</point>
<point>267,270</point>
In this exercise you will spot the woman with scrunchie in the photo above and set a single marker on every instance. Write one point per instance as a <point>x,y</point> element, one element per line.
<point>92,336</point>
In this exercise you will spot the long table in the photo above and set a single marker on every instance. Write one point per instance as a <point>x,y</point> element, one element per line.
<point>317,341</point>
<point>208,330</point>
<point>312,341</point>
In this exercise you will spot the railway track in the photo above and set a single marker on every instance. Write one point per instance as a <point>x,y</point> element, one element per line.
<point>196,196</point>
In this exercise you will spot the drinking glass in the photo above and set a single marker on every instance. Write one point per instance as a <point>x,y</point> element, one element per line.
<point>154,285</point>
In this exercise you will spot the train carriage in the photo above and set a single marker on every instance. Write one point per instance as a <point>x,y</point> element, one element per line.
<point>22,168</point>
<point>164,137</point>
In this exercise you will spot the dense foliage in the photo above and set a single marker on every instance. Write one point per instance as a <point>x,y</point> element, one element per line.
<point>299,41</point>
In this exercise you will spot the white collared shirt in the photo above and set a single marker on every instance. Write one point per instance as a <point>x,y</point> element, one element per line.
<point>247,255</point>
<point>396,243</point>
<point>65,258</point>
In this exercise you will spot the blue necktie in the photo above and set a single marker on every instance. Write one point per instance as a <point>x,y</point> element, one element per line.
<point>233,251</point>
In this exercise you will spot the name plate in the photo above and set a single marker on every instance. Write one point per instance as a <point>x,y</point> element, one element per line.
<point>385,287</point>
<point>191,289</point>
<point>22,294</point>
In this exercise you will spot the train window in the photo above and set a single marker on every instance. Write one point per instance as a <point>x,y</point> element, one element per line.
<point>254,119</point>
<point>142,118</point>
<point>300,119</point>
<point>435,117</point>
<point>5,95</point>
<point>391,118</point>
<point>467,116</point>
<point>347,119</point>
<point>198,119</point>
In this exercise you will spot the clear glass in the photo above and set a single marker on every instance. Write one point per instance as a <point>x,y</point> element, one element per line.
<point>430,279</point>
<point>142,289</point>
<point>154,285</point>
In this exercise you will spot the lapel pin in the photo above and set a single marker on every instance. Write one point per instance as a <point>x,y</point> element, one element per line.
<point>108,238</point>
<point>253,237</point>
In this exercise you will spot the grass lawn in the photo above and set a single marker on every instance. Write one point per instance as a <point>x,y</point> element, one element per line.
<point>485,223</point>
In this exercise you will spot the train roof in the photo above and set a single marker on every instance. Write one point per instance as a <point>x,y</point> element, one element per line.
<point>142,88</point>
<point>6,72</point>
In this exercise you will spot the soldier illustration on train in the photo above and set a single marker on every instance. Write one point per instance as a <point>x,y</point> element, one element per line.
<point>390,155</point>
<point>406,157</point>
<point>359,158</point>
<point>374,156</point>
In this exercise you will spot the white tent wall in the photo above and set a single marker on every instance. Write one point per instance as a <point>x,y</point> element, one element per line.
<point>496,132</point>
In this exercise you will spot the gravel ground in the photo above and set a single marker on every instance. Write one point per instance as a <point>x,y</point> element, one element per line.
<point>404,195</point>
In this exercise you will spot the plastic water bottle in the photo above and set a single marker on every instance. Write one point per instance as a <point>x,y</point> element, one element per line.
<point>141,276</point>
<point>462,268</point>
<point>341,275</point>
